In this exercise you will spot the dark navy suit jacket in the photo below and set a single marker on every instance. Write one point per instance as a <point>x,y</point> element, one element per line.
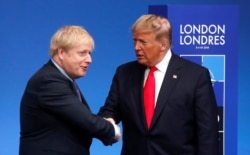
<point>185,118</point>
<point>53,119</point>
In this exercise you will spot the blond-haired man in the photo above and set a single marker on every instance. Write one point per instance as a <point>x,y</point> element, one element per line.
<point>55,117</point>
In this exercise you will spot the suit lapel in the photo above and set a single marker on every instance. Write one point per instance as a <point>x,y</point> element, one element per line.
<point>84,101</point>
<point>51,64</point>
<point>138,92</point>
<point>170,80</point>
<point>82,97</point>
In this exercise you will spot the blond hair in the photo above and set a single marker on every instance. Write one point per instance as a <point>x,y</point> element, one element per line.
<point>156,24</point>
<point>68,37</point>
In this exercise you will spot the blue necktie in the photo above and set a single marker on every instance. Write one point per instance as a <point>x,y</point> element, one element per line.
<point>77,90</point>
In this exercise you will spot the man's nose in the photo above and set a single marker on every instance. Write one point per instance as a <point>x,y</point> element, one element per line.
<point>136,46</point>
<point>89,59</point>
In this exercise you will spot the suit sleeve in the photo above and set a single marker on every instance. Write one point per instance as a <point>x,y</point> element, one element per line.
<point>206,115</point>
<point>57,97</point>
<point>111,106</point>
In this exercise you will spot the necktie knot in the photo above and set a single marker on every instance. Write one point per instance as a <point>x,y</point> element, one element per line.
<point>153,68</point>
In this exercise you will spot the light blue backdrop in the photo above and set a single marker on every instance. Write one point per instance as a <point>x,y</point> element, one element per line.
<point>25,30</point>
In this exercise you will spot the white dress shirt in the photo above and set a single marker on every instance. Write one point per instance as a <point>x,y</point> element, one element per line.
<point>159,73</point>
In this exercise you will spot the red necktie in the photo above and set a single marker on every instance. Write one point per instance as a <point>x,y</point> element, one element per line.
<point>149,95</point>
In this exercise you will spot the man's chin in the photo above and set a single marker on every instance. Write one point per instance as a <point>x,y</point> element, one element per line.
<point>80,75</point>
<point>141,61</point>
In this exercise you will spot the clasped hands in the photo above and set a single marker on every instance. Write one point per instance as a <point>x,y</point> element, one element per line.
<point>116,127</point>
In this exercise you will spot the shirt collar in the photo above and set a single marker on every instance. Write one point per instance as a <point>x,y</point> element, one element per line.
<point>163,64</point>
<point>61,70</point>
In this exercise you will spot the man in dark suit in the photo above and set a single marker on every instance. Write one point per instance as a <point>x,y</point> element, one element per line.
<point>55,118</point>
<point>183,117</point>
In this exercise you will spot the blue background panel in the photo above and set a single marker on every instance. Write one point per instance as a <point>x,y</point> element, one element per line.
<point>26,28</point>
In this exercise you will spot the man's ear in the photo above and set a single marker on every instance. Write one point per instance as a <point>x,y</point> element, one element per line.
<point>164,44</point>
<point>60,53</point>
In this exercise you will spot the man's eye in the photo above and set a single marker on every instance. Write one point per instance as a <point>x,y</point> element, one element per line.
<point>82,53</point>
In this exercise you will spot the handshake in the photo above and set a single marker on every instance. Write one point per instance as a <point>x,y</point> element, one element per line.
<point>116,127</point>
